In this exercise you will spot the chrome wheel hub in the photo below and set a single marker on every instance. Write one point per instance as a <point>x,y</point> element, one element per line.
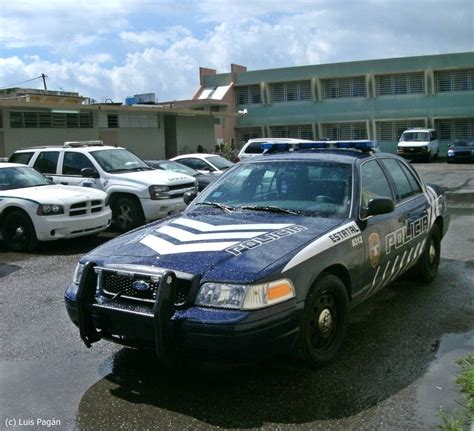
<point>325,320</point>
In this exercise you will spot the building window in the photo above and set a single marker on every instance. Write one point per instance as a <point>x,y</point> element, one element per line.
<point>337,131</point>
<point>401,83</point>
<point>53,120</point>
<point>302,131</point>
<point>249,133</point>
<point>130,120</point>
<point>112,121</point>
<point>344,87</point>
<point>291,91</point>
<point>454,80</point>
<point>391,130</point>
<point>249,94</point>
<point>455,128</point>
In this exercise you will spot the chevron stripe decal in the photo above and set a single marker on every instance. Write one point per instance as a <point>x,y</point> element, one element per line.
<point>175,238</point>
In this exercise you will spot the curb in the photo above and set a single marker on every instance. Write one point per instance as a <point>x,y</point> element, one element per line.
<point>460,197</point>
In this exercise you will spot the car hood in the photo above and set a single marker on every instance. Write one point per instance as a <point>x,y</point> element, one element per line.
<point>154,177</point>
<point>237,247</point>
<point>55,194</point>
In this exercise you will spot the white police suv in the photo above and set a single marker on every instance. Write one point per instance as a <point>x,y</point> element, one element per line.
<point>33,209</point>
<point>272,255</point>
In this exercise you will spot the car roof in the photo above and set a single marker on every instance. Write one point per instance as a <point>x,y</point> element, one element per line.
<point>12,165</point>
<point>63,147</point>
<point>197,155</point>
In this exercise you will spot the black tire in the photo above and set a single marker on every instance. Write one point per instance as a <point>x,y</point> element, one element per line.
<point>126,214</point>
<point>324,322</point>
<point>18,232</point>
<point>426,268</point>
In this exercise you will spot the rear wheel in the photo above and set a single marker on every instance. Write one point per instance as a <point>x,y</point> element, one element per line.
<point>427,267</point>
<point>126,213</point>
<point>18,232</point>
<point>324,322</point>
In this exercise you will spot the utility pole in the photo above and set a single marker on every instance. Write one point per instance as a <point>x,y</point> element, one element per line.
<point>44,81</point>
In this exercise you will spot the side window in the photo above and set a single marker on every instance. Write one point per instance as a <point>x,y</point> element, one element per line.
<point>254,148</point>
<point>47,162</point>
<point>374,184</point>
<point>195,164</point>
<point>74,162</point>
<point>23,158</point>
<point>402,184</point>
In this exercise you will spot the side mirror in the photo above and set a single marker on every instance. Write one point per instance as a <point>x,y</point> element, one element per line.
<point>188,197</point>
<point>377,206</point>
<point>89,173</point>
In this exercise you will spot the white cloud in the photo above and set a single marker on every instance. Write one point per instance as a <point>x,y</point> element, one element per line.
<point>214,33</point>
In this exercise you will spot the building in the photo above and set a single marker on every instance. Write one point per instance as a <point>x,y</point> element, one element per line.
<point>373,99</point>
<point>36,117</point>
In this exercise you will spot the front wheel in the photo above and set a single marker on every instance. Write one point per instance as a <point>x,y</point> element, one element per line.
<point>324,322</point>
<point>18,232</point>
<point>427,267</point>
<point>126,214</point>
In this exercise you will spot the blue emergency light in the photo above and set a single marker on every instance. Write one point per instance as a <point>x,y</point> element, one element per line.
<point>356,144</point>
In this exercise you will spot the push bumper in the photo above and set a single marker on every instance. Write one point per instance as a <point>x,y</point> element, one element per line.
<point>197,331</point>
<point>157,209</point>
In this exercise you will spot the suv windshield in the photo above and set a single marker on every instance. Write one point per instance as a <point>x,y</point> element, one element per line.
<point>302,187</point>
<point>415,136</point>
<point>117,160</point>
<point>21,177</point>
<point>219,162</point>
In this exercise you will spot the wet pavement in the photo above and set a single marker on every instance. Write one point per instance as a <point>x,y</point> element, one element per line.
<point>396,370</point>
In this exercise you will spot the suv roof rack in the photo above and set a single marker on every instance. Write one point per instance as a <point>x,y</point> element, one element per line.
<point>83,144</point>
<point>362,145</point>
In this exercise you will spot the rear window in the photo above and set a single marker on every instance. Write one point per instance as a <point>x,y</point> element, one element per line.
<point>23,158</point>
<point>254,148</point>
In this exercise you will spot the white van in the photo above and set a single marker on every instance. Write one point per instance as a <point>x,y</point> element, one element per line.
<point>418,143</point>
<point>253,147</point>
<point>136,192</point>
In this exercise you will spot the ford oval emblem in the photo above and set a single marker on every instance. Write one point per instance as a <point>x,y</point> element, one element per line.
<point>140,285</point>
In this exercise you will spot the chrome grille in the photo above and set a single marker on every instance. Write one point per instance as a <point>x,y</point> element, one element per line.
<point>113,283</point>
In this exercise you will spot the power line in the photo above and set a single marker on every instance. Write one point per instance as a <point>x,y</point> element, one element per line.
<point>23,82</point>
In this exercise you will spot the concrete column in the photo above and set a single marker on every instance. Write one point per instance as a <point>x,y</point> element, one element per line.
<point>320,130</point>
<point>314,128</point>
<point>318,89</point>
<point>314,92</point>
<point>263,91</point>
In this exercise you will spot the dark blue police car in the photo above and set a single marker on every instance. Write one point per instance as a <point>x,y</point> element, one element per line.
<point>271,256</point>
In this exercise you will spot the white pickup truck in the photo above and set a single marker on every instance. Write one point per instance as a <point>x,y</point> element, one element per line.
<point>136,192</point>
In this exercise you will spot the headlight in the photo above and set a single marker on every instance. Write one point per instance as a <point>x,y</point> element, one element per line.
<point>76,278</point>
<point>424,148</point>
<point>158,192</point>
<point>49,209</point>
<point>450,153</point>
<point>245,297</point>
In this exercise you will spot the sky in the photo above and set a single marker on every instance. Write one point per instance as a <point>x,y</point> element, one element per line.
<point>112,49</point>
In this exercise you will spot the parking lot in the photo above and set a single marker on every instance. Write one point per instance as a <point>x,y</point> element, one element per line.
<point>395,372</point>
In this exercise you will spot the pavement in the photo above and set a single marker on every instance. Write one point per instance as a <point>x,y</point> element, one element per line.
<point>456,179</point>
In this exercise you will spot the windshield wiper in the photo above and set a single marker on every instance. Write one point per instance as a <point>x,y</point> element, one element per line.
<point>224,207</point>
<point>270,208</point>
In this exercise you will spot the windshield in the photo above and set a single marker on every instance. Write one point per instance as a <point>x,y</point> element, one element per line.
<point>301,187</point>
<point>20,177</point>
<point>219,162</point>
<point>117,160</point>
<point>177,167</point>
<point>416,136</point>
<point>463,144</point>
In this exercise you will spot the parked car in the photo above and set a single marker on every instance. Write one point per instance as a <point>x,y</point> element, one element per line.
<point>418,144</point>
<point>272,255</point>
<point>461,151</point>
<point>136,192</point>
<point>205,163</point>
<point>169,165</point>
<point>33,209</point>
<point>253,147</point>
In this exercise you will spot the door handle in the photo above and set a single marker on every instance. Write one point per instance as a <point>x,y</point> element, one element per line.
<point>403,218</point>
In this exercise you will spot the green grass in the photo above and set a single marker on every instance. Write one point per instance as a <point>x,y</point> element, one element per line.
<point>462,419</point>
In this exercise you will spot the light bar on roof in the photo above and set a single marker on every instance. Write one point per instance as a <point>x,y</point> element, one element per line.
<point>356,144</point>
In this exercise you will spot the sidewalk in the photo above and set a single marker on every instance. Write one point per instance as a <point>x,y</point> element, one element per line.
<point>457,180</point>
